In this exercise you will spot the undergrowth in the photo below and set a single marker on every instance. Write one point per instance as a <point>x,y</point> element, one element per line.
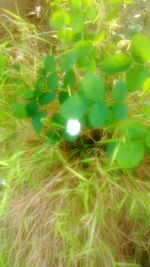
<point>70,204</point>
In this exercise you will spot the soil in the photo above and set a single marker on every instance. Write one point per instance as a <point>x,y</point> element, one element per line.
<point>21,5</point>
<point>25,8</point>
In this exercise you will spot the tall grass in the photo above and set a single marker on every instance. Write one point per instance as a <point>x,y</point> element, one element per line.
<point>74,213</point>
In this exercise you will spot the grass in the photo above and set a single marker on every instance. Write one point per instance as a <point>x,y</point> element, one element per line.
<point>81,214</point>
<point>63,206</point>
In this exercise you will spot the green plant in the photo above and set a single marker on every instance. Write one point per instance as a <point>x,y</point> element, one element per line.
<point>90,88</point>
<point>73,207</point>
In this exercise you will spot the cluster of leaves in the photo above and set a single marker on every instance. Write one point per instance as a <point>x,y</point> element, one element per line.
<point>90,87</point>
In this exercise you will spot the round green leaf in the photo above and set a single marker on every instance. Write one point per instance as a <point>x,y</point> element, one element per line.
<point>52,81</point>
<point>120,111</point>
<point>136,77</point>
<point>27,94</point>
<point>77,37</point>
<point>74,107</point>
<point>140,48</point>
<point>130,154</point>
<point>47,98</point>
<point>58,120</point>
<point>63,96</point>
<point>60,19</point>
<point>68,61</point>
<point>83,49</point>
<point>19,111</point>
<point>50,63</point>
<point>40,84</point>
<point>36,121</point>
<point>136,130</point>
<point>65,35</point>
<point>69,79</point>
<point>31,109</point>
<point>77,21</point>
<point>116,63</point>
<point>93,87</point>
<point>91,13</point>
<point>119,90</point>
<point>98,114</point>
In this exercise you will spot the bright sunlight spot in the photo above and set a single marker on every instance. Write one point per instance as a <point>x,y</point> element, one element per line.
<point>73,127</point>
